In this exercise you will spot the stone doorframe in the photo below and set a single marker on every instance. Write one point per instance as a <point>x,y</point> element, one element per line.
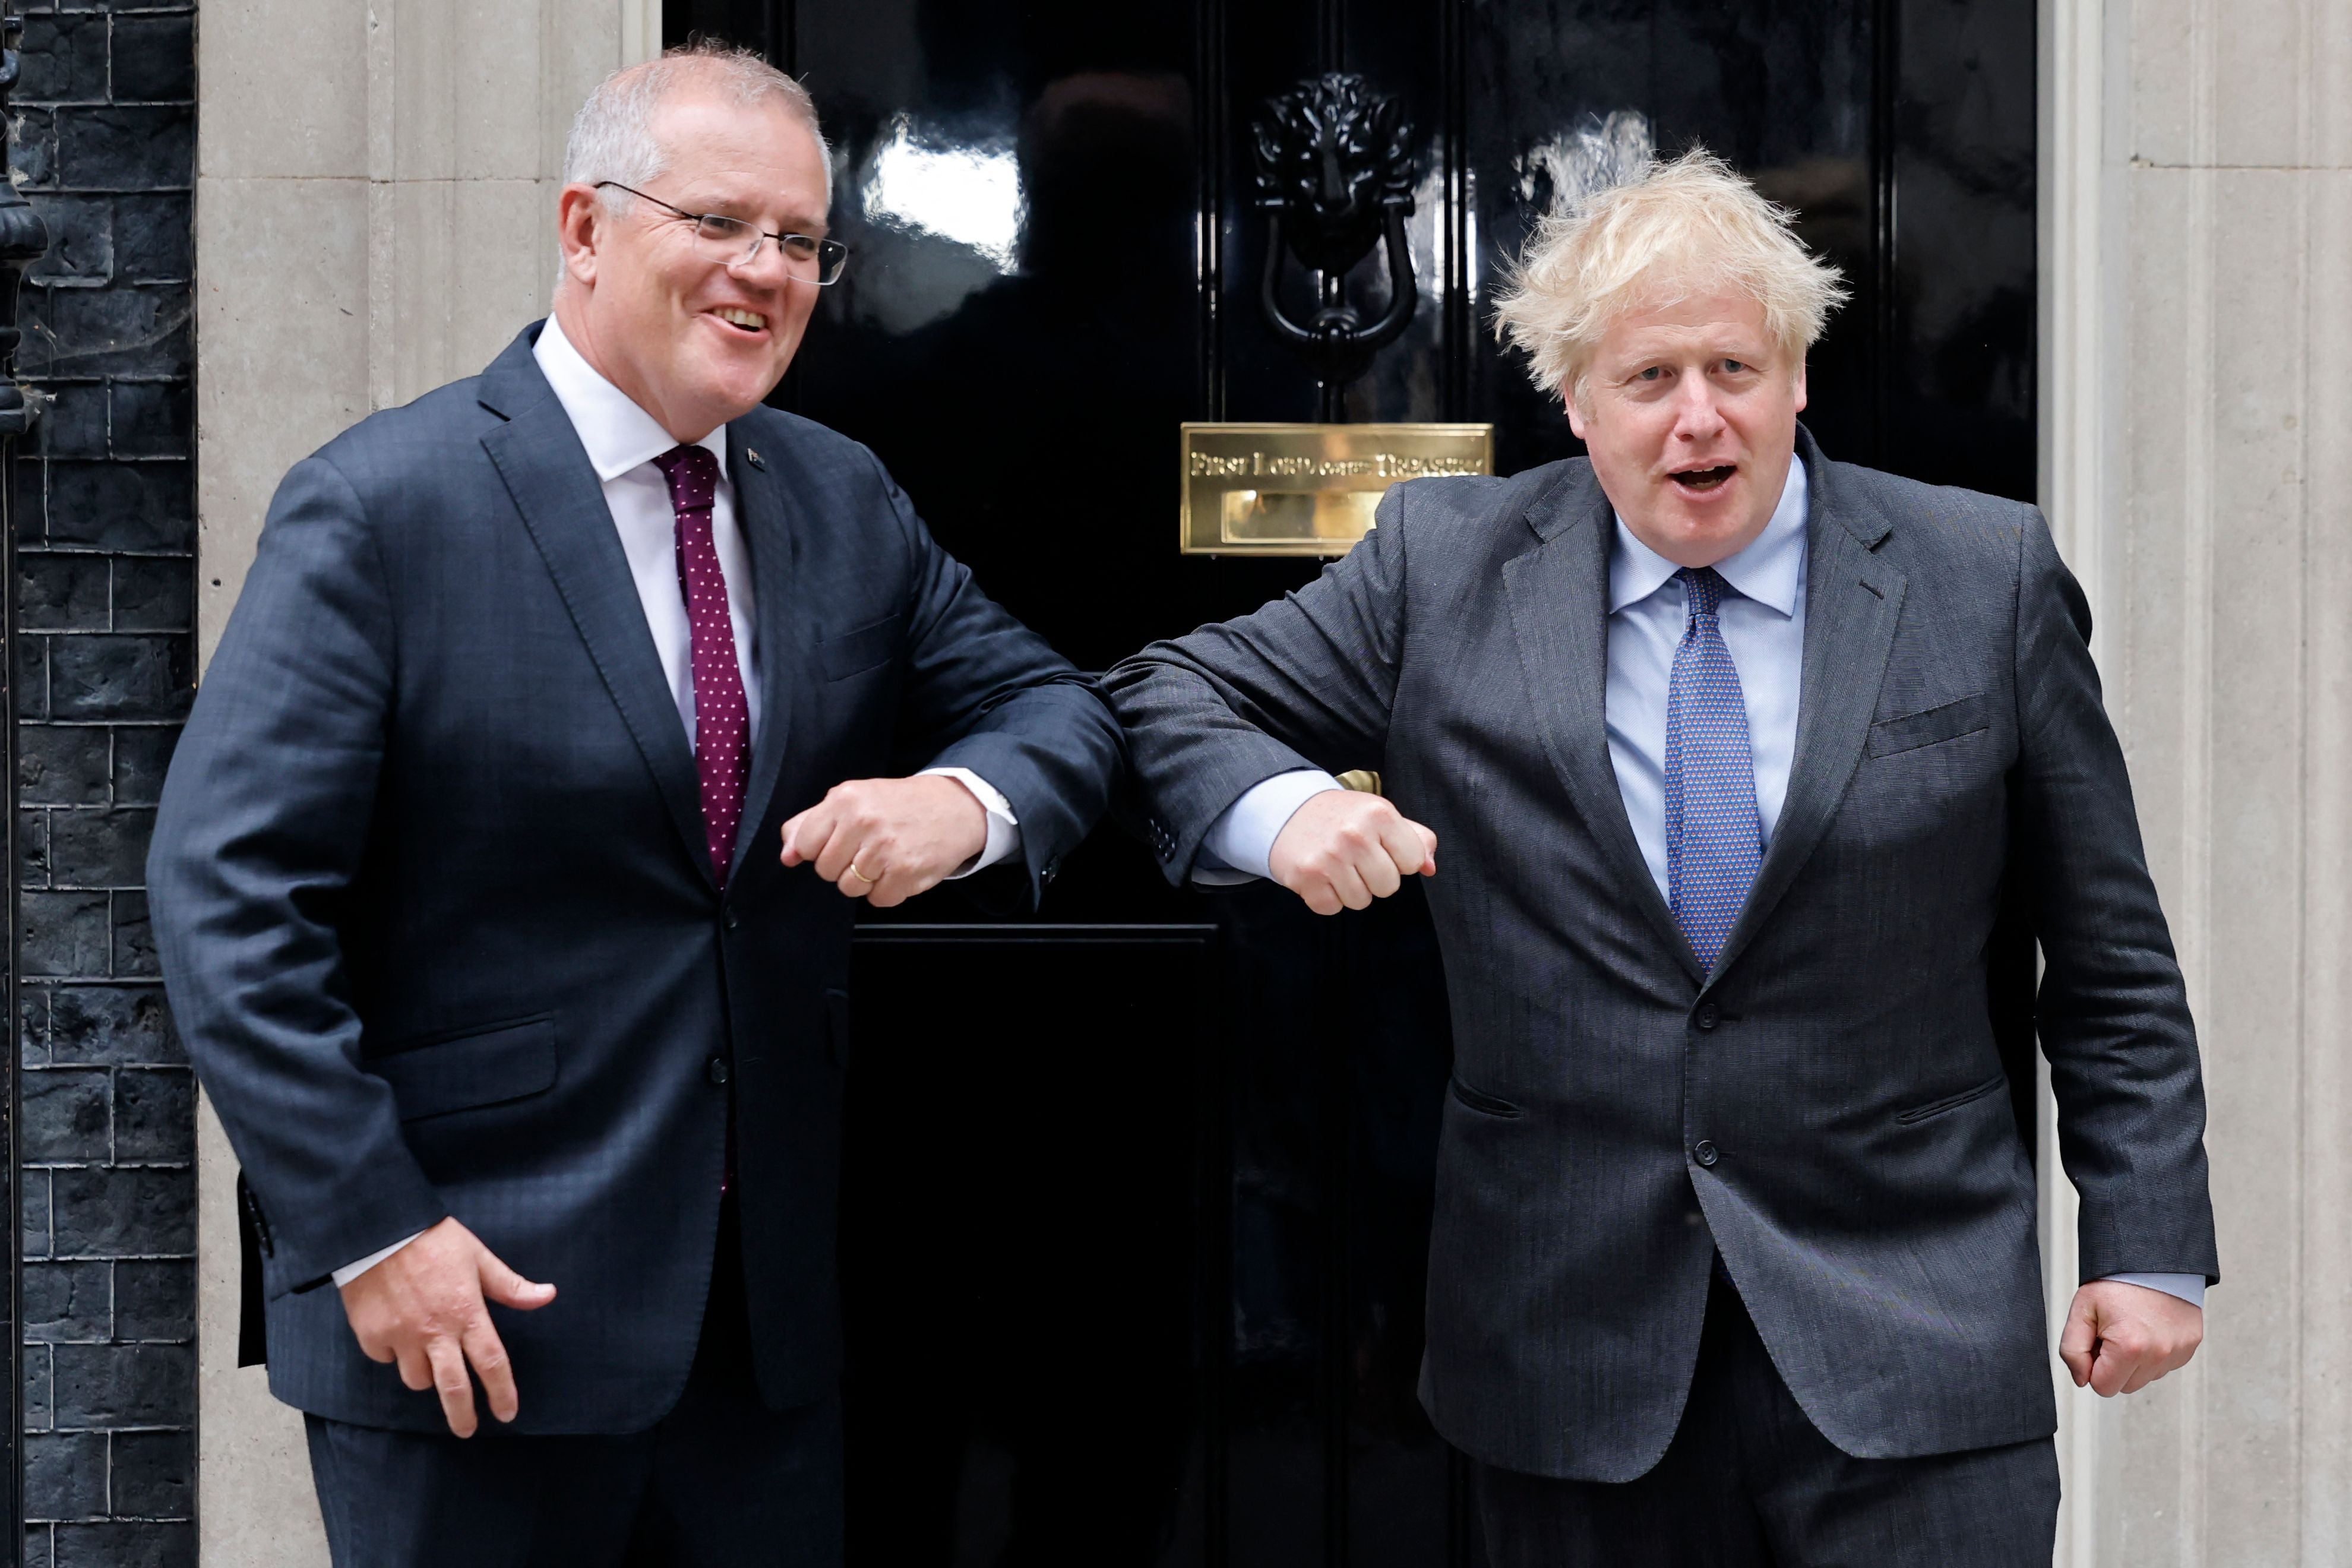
<point>376,186</point>
<point>2196,231</point>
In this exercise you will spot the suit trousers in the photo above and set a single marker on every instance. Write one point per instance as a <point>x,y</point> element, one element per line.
<point>1748,1481</point>
<point>722,1479</point>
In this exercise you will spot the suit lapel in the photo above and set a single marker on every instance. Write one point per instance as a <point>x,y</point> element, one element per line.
<point>768,516</point>
<point>1559,595</point>
<point>538,456</point>
<point>1854,601</point>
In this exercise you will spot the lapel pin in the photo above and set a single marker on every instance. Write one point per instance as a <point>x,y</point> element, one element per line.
<point>754,459</point>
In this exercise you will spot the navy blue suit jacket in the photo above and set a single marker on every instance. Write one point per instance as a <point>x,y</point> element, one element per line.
<point>436,914</point>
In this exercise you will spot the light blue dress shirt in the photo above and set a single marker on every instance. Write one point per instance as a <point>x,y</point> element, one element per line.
<point>1763,626</point>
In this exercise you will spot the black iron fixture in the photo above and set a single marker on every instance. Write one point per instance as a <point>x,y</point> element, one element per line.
<point>1335,176</point>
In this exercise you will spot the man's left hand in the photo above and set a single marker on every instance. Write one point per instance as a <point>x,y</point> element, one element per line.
<point>885,840</point>
<point>2120,1337</point>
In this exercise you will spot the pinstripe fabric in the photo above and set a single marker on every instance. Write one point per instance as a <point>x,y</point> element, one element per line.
<point>1824,1105</point>
<point>1750,1482</point>
<point>1715,838</point>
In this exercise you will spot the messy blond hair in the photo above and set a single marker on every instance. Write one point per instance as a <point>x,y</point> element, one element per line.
<point>1685,225</point>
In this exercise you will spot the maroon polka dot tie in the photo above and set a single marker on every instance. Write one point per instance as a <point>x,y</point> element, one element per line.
<point>722,720</point>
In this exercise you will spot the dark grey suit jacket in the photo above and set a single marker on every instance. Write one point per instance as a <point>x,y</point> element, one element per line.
<point>436,908</point>
<point>1827,1107</point>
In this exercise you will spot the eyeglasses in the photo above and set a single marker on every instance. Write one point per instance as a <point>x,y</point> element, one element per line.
<point>735,243</point>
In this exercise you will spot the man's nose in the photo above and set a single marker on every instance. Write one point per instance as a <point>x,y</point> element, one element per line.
<point>765,271</point>
<point>1697,416</point>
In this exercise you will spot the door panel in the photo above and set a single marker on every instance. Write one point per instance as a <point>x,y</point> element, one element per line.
<point>1137,1206</point>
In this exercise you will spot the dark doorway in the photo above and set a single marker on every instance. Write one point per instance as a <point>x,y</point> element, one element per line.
<point>1137,1199</point>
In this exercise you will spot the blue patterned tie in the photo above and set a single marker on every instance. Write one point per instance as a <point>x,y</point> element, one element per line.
<point>1715,837</point>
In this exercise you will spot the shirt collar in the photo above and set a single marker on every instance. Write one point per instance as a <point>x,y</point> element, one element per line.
<point>618,435</point>
<point>1770,571</point>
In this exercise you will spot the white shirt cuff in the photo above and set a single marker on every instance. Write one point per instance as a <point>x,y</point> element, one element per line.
<point>1003,828</point>
<point>1239,843</point>
<point>351,1271</point>
<point>2189,1288</point>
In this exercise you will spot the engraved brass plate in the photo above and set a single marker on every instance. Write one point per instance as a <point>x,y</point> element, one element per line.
<point>1309,490</point>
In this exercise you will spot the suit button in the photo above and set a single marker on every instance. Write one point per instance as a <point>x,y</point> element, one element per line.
<point>731,920</point>
<point>1706,1017</point>
<point>1703,1151</point>
<point>719,1072</point>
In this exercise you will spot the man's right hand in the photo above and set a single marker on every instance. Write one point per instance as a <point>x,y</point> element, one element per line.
<point>424,1308</point>
<point>1344,848</point>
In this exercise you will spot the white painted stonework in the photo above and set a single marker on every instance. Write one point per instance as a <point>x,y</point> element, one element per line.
<point>375,189</point>
<point>2197,380</point>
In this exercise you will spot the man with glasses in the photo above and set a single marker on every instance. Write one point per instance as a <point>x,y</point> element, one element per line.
<point>505,873</point>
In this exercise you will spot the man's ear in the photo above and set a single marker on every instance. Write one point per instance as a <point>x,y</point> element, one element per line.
<point>1568,400</point>
<point>579,215</point>
<point>1801,384</point>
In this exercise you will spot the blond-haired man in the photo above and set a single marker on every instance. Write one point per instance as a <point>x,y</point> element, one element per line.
<point>1734,752</point>
<point>499,879</point>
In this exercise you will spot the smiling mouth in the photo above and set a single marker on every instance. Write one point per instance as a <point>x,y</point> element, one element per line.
<point>1704,480</point>
<point>748,321</point>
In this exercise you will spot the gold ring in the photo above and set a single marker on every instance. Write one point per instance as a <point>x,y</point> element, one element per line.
<point>870,881</point>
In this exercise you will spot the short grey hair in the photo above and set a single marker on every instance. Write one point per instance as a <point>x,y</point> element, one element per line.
<point>1683,227</point>
<point>611,136</point>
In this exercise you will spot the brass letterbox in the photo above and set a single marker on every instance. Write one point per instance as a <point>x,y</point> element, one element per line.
<point>1309,490</point>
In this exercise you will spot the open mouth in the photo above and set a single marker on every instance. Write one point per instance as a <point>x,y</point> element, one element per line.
<point>742,321</point>
<point>1701,481</point>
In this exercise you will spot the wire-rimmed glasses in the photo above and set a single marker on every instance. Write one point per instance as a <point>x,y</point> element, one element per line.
<point>732,242</point>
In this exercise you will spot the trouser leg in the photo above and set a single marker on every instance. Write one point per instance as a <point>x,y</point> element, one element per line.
<point>1823,1508</point>
<point>421,1499</point>
<point>1689,1511</point>
<point>734,1482</point>
<point>1750,1480</point>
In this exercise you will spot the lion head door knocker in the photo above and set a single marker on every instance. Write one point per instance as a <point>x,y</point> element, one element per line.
<point>1335,176</point>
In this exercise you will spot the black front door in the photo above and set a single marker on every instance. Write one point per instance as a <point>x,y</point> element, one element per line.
<point>1138,1196</point>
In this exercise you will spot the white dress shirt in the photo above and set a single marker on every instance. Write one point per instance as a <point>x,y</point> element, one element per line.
<point>1763,621</point>
<point>622,441</point>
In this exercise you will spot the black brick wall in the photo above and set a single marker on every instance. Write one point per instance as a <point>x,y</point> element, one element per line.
<point>106,527</point>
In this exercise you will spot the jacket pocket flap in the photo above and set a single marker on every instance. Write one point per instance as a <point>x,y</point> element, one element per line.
<point>1479,1101</point>
<point>854,652</point>
<point>510,1061</point>
<point>1952,1101</point>
<point>1947,723</point>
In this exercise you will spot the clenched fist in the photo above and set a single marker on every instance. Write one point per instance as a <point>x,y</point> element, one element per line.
<point>2121,1337</point>
<point>1343,850</point>
<point>885,840</point>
